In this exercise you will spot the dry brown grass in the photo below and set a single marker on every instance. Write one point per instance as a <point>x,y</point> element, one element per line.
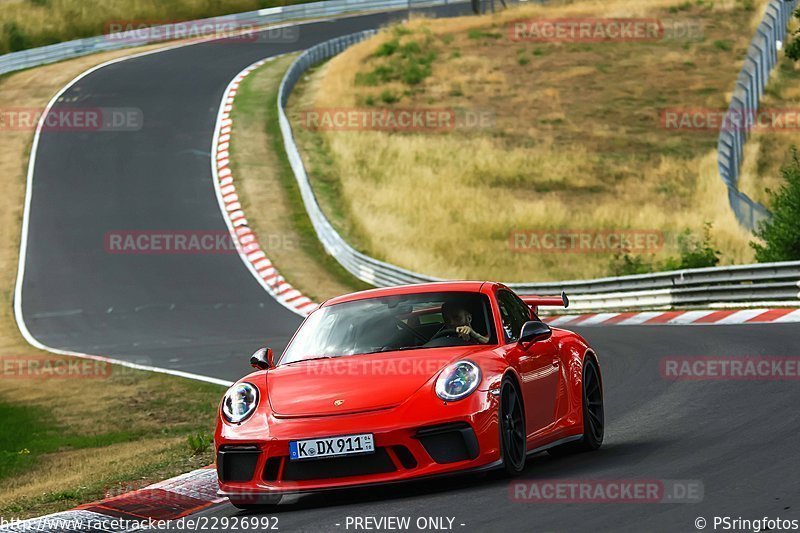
<point>137,404</point>
<point>767,151</point>
<point>576,142</point>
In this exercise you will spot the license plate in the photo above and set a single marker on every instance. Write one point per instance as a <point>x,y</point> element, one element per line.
<point>331,447</point>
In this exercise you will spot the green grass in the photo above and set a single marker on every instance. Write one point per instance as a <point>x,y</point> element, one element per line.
<point>28,432</point>
<point>405,60</point>
<point>723,44</point>
<point>23,437</point>
<point>174,417</point>
<point>479,34</point>
<point>250,102</point>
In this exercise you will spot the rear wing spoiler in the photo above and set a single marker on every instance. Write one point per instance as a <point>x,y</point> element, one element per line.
<point>546,301</point>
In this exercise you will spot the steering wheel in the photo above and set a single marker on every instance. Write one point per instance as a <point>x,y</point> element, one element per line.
<point>413,331</point>
<point>447,332</point>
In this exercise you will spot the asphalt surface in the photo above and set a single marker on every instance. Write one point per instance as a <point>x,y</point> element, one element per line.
<point>205,314</point>
<point>199,313</point>
<point>738,440</point>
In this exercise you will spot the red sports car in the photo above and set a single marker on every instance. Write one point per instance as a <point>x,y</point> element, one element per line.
<point>405,383</point>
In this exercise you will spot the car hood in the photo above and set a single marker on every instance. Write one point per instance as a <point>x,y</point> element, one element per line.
<point>352,384</point>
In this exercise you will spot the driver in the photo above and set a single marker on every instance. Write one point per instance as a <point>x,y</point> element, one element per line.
<point>456,317</point>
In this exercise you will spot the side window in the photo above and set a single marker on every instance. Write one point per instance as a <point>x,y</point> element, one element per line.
<point>514,314</point>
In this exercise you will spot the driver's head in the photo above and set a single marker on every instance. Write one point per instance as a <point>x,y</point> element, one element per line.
<point>455,314</point>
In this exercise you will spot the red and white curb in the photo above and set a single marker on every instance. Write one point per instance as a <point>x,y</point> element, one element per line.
<point>133,511</point>
<point>262,268</point>
<point>247,242</point>
<point>678,318</point>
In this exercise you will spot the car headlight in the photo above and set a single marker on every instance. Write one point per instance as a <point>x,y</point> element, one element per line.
<point>239,402</point>
<point>458,381</point>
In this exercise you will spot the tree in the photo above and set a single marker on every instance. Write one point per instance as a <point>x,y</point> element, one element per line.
<point>793,48</point>
<point>780,235</point>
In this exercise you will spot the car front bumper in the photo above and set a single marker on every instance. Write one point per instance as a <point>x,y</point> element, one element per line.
<point>419,439</point>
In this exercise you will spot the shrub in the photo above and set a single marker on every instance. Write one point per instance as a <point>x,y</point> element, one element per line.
<point>17,39</point>
<point>388,97</point>
<point>793,48</point>
<point>780,236</point>
<point>388,48</point>
<point>414,73</point>
<point>625,264</point>
<point>410,49</point>
<point>408,63</point>
<point>694,253</point>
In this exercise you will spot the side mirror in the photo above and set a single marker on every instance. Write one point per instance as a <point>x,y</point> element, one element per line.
<point>262,359</point>
<point>534,331</point>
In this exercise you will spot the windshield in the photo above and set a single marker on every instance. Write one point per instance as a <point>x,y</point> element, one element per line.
<point>403,322</point>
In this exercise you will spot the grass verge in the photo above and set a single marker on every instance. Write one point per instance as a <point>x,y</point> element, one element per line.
<point>575,139</point>
<point>269,193</point>
<point>69,441</point>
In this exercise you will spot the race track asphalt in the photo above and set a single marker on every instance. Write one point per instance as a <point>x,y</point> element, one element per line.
<point>198,313</point>
<point>206,313</point>
<point>736,439</point>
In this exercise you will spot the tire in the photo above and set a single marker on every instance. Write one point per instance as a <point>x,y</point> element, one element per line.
<point>513,439</point>
<point>593,413</point>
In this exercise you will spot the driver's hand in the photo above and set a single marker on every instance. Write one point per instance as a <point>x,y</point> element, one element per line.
<point>465,332</point>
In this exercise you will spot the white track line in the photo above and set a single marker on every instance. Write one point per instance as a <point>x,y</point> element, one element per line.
<point>23,247</point>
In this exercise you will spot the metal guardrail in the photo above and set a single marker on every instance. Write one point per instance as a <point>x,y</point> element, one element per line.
<point>215,26</point>
<point>762,56</point>
<point>776,283</point>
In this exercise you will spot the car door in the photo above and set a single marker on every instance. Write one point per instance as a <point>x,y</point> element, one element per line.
<point>538,363</point>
